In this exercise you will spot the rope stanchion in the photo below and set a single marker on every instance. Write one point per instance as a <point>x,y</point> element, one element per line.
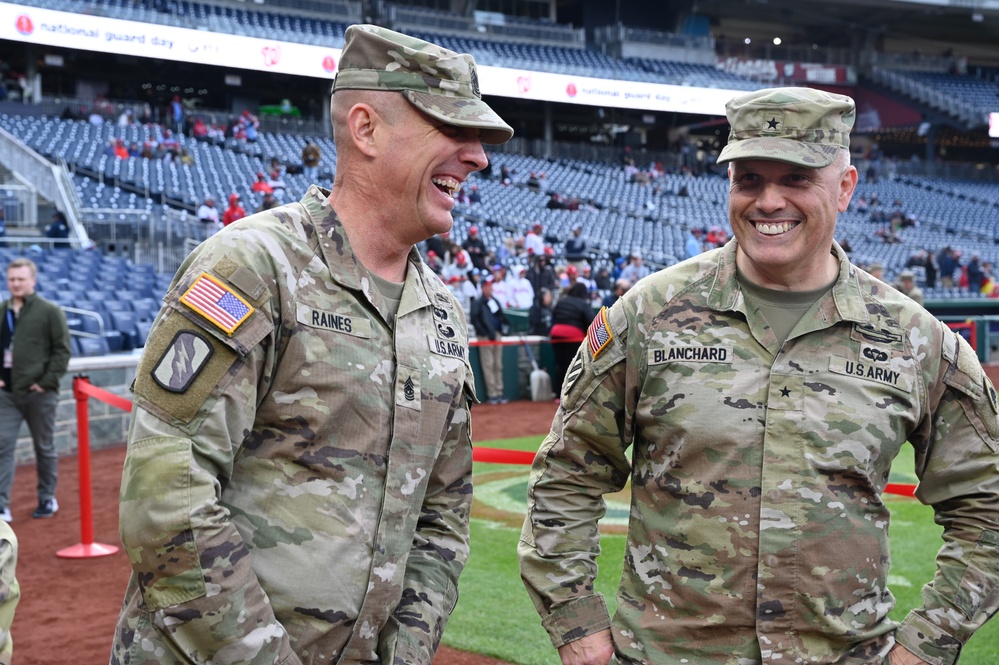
<point>87,548</point>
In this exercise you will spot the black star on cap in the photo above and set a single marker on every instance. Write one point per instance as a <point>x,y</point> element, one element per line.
<point>772,123</point>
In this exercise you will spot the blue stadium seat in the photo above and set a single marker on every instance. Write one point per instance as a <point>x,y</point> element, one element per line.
<point>91,346</point>
<point>124,322</point>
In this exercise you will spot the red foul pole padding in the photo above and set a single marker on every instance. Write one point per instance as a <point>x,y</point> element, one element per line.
<point>87,548</point>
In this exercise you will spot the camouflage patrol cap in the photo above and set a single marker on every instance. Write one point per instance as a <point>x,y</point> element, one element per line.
<point>798,125</point>
<point>441,83</point>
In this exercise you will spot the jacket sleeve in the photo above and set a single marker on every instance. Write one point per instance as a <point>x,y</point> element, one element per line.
<point>583,458</point>
<point>958,467</point>
<point>439,552</point>
<point>60,350</point>
<point>191,564</point>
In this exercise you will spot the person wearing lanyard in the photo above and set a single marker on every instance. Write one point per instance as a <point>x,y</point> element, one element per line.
<point>36,350</point>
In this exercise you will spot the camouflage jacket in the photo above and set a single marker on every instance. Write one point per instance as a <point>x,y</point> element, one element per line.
<point>297,484</point>
<point>757,531</point>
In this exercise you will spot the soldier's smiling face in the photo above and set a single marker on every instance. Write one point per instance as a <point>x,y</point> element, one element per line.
<point>426,168</point>
<point>784,217</point>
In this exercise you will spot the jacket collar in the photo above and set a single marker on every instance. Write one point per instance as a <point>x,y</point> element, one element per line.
<point>347,271</point>
<point>844,301</point>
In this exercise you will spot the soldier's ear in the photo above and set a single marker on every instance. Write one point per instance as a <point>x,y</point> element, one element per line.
<point>362,121</point>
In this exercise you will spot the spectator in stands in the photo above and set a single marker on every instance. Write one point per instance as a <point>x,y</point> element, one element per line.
<point>475,247</point>
<point>603,279</point>
<point>907,284</point>
<point>134,150</point>
<point>692,244</point>
<point>930,266</point>
<point>555,202</point>
<point>35,341</point>
<point>534,241</point>
<point>783,445</point>
<point>576,252</point>
<point>434,262</point>
<point>295,363</point>
<point>570,319</point>
<point>534,182</point>
<point>989,287</point>
<point>311,155</point>
<point>248,124</point>
<point>948,264</point>
<point>539,317</point>
<point>199,130</point>
<point>716,237</point>
<point>234,212</point>
<point>436,244</point>
<point>459,264</point>
<point>521,292</point>
<point>490,323</point>
<point>621,287</point>
<point>58,230</point>
<point>586,278</point>
<point>169,144</point>
<point>502,289</point>
<point>975,273</point>
<point>261,185</point>
<point>474,196</point>
<point>471,288</point>
<point>208,214</point>
<point>3,227</point>
<point>268,202</point>
<point>177,115</point>
<point>635,270</point>
<point>568,278</point>
<point>278,188</point>
<point>506,175</point>
<point>541,274</point>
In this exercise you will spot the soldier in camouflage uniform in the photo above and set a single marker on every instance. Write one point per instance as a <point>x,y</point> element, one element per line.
<point>764,388</point>
<point>298,478</point>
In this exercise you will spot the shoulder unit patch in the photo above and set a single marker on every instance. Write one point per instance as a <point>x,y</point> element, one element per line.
<point>218,303</point>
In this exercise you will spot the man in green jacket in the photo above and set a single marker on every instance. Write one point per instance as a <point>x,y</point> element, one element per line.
<point>35,342</point>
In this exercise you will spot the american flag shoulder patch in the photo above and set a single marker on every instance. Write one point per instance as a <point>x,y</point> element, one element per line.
<point>215,301</point>
<point>599,336</point>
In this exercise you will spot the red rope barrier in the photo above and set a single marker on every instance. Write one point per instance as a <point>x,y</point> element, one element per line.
<point>501,456</point>
<point>902,489</point>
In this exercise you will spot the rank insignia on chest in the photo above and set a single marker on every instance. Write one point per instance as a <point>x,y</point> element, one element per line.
<point>217,302</point>
<point>599,336</point>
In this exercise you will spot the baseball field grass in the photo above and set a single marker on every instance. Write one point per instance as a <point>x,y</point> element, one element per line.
<point>495,617</point>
